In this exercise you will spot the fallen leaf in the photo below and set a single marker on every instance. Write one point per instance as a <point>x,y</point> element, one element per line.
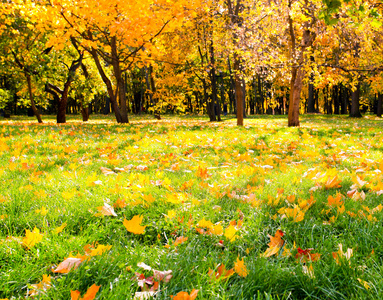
<point>185,295</point>
<point>89,295</point>
<point>134,225</point>
<point>275,244</point>
<point>32,237</point>
<point>222,272</point>
<point>106,210</point>
<point>68,264</point>
<point>240,268</point>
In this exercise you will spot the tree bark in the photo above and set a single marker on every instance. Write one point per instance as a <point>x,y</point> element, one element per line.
<point>35,111</point>
<point>297,71</point>
<point>355,95</point>
<point>84,113</point>
<point>238,89</point>
<point>119,81</point>
<point>108,84</point>
<point>379,105</point>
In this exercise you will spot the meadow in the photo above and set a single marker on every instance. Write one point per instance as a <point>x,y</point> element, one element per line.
<point>186,209</point>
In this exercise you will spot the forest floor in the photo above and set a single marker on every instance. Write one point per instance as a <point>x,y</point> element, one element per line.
<point>192,209</point>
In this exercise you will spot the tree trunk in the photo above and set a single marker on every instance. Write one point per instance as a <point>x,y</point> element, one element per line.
<point>108,84</point>
<point>119,81</point>
<point>238,89</point>
<point>379,108</point>
<point>311,100</point>
<point>355,95</point>
<point>297,71</point>
<point>379,105</point>
<point>262,106</point>
<point>295,94</point>
<point>336,99</point>
<point>85,113</point>
<point>35,111</point>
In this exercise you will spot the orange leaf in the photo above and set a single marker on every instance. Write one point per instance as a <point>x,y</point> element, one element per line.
<point>331,201</point>
<point>185,295</point>
<point>91,292</point>
<point>275,244</point>
<point>240,268</point>
<point>134,225</point>
<point>75,295</point>
<point>306,255</point>
<point>221,273</point>
<point>89,295</point>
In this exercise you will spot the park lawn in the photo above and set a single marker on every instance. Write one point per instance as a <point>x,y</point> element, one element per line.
<point>256,212</point>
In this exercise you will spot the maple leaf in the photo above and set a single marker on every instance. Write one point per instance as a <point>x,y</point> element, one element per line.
<point>43,286</point>
<point>43,211</point>
<point>216,229</point>
<point>296,214</point>
<point>275,244</point>
<point>134,225</point>
<point>205,224</point>
<point>335,202</point>
<point>106,210</point>
<point>61,228</point>
<point>179,240</point>
<point>306,255</point>
<point>68,264</point>
<point>240,268</point>
<point>171,214</point>
<point>89,295</point>
<point>32,238</point>
<point>185,295</point>
<point>120,203</point>
<point>221,273</point>
<point>230,233</point>
<point>202,173</point>
<point>332,183</point>
<point>100,250</point>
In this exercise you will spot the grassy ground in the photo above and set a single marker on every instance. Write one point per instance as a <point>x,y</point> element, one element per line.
<point>300,207</point>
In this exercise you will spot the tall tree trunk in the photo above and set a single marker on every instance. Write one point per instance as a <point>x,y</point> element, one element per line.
<point>311,100</point>
<point>379,108</point>
<point>296,84</point>
<point>355,96</point>
<point>35,111</point>
<point>238,89</point>
<point>335,96</point>
<point>108,84</point>
<point>297,71</point>
<point>343,98</point>
<point>260,91</point>
<point>119,81</point>
<point>85,113</point>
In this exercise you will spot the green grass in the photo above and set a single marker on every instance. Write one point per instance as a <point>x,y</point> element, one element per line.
<point>253,172</point>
